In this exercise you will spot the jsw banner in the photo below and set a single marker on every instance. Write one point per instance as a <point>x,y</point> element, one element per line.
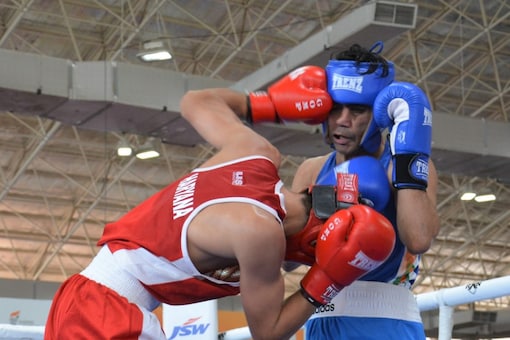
<point>194,321</point>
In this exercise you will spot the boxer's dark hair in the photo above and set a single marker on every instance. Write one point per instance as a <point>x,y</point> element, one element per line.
<point>360,55</point>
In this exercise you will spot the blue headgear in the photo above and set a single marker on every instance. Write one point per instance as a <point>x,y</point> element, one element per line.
<point>347,84</point>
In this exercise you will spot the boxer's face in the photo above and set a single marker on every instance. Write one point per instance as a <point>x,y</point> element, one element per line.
<point>346,126</point>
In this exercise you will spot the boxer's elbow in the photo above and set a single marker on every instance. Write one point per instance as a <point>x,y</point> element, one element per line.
<point>190,101</point>
<point>419,246</point>
<point>421,241</point>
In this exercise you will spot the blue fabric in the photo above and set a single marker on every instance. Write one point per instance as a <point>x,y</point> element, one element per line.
<point>368,328</point>
<point>348,82</point>
<point>353,328</point>
<point>389,270</point>
<point>411,136</point>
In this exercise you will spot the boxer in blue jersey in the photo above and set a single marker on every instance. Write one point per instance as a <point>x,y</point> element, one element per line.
<point>379,129</point>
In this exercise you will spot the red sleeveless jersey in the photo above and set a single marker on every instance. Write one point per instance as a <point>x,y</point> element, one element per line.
<point>150,240</point>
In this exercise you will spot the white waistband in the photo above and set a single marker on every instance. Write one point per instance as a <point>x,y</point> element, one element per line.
<point>104,270</point>
<point>372,299</point>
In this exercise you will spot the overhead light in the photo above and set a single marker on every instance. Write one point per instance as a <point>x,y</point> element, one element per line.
<point>148,150</point>
<point>467,196</point>
<point>468,193</point>
<point>485,198</point>
<point>154,51</point>
<point>124,149</point>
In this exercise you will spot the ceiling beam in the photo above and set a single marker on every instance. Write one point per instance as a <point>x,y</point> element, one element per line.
<point>360,26</point>
<point>120,97</point>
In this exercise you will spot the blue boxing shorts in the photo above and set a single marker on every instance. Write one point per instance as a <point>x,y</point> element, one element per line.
<point>368,311</point>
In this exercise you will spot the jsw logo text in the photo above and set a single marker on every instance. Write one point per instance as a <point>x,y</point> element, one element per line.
<point>189,330</point>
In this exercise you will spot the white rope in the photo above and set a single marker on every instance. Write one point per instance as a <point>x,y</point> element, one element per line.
<point>443,299</point>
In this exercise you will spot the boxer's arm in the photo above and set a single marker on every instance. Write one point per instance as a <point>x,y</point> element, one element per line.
<point>215,114</point>
<point>405,110</point>
<point>262,284</point>
<point>417,217</point>
<point>304,177</point>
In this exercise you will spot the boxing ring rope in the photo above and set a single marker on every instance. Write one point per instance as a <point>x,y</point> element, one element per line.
<point>8,331</point>
<point>444,299</point>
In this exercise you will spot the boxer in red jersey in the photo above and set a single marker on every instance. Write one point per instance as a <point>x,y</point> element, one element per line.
<point>233,210</point>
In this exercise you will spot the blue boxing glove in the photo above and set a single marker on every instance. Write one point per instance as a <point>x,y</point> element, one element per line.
<point>373,185</point>
<point>405,110</point>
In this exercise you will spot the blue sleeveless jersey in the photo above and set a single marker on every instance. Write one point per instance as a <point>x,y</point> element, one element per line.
<point>400,269</point>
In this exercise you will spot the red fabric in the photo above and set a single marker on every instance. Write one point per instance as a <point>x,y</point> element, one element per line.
<point>157,224</point>
<point>84,309</point>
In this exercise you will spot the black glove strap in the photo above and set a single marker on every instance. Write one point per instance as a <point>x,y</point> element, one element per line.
<point>309,298</point>
<point>403,175</point>
<point>249,117</point>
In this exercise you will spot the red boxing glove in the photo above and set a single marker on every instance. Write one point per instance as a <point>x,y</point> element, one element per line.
<point>351,243</point>
<point>299,96</point>
<point>301,246</point>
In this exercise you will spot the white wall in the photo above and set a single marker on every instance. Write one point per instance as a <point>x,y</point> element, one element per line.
<point>31,312</point>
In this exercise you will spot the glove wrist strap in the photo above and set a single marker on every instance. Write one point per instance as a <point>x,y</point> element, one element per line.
<point>410,171</point>
<point>317,287</point>
<point>249,117</point>
<point>309,298</point>
<point>260,108</point>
